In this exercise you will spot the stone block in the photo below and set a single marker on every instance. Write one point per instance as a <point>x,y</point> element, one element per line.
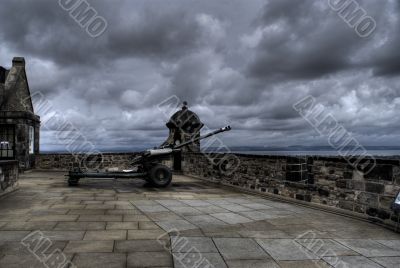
<point>105,235</point>
<point>392,189</point>
<point>193,244</point>
<point>147,234</point>
<point>78,226</point>
<point>150,259</point>
<point>385,201</point>
<point>100,260</point>
<point>369,248</point>
<point>286,249</point>
<point>239,249</point>
<point>200,260</point>
<point>380,172</point>
<point>132,225</point>
<point>348,205</point>
<point>370,199</point>
<point>141,246</point>
<point>374,187</point>
<point>89,246</point>
<point>341,183</point>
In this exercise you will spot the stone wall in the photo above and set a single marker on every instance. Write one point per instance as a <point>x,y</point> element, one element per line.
<point>329,182</point>
<point>8,176</point>
<point>65,162</point>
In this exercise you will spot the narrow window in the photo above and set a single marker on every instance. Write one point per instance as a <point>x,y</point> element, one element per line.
<point>31,140</point>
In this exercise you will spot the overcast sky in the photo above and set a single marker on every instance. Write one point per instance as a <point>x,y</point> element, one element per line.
<point>238,62</point>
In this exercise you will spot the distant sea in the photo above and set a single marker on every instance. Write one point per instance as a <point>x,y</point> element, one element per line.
<point>383,153</point>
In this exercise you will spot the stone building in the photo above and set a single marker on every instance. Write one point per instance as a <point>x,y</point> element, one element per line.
<point>184,125</point>
<point>19,126</point>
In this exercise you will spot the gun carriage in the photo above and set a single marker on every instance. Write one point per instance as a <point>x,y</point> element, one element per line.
<point>146,166</point>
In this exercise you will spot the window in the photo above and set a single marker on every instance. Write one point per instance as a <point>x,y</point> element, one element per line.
<point>31,140</point>
<point>7,141</point>
<point>298,169</point>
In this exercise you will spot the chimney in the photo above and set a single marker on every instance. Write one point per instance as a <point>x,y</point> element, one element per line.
<point>18,62</point>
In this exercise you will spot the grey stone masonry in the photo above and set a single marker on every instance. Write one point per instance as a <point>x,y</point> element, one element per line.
<point>94,161</point>
<point>327,181</point>
<point>8,176</point>
<point>19,125</point>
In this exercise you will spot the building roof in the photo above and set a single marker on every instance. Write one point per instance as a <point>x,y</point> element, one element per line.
<point>185,119</point>
<point>14,88</point>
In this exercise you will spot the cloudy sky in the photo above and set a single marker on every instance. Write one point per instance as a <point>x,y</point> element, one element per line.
<point>237,62</point>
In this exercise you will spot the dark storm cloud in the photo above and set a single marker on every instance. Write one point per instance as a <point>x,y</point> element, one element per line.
<point>307,39</point>
<point>44,29</point>
<point>243,63</point>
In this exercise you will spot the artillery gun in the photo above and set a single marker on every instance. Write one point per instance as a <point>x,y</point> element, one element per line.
<point>145,166</point>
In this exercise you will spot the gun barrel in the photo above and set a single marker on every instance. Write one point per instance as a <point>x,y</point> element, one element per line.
<point>227,128</point>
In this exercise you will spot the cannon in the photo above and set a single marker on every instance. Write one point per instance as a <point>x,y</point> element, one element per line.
<point>145,166</point>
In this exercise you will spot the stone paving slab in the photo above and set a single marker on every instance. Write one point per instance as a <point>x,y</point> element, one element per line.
<point>186,211</point>
<point>123,212</point>
<point>89,246</point>
<point>150,259</point>
<point>96,218</point>
<point>63,235</point>
<point>105,235</point>
<point>135,218</point>
<point>100,260</point>
<point>131,225</point>
<point>16,247</point>
<point>140,246</point>
<point>388,262</point>
<point>240,248</point>
<point>394,244</point>
<point>326,247</point>
<point>152,208</point>
<point>13,235</point>
<point>265,263</point>
<point>30,261</point>
<point>369,248</point>
<point>305,264</point>
<point>190,244</point>
<point>205,221</point>
<point>180,225</point>
<point>77,226</point>
<point>231,218</point>
<point>54,218</point>
<point>286,249</point>
<point>196,203</point>
<point>263,234</point>
<point>351,261</point>
<point>200,260</point>
<point>28,226</point>
<point>145,234</point>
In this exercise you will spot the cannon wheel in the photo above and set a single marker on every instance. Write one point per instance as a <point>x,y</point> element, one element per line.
<point>160,176</point>
<point>73,181</point>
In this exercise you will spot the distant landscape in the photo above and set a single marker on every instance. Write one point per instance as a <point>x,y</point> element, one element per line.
<point>383,151</point>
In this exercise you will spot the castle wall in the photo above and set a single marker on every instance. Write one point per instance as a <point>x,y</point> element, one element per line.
<point>8,176</point>
<point>329,182</point>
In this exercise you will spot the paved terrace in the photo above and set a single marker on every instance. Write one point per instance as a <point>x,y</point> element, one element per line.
<point>119,224</point>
